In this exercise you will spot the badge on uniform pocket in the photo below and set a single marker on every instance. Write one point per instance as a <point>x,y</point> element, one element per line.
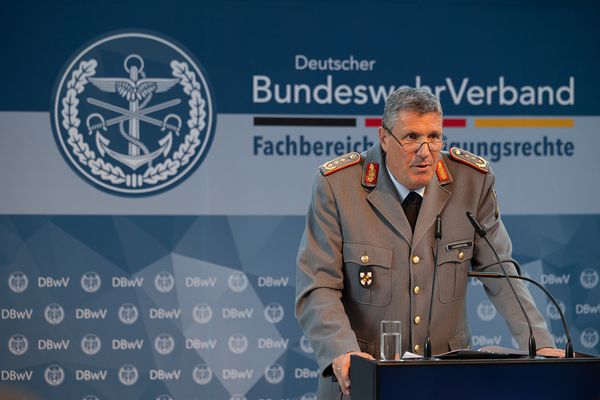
<point>465,244</point>
<point>365,276</point>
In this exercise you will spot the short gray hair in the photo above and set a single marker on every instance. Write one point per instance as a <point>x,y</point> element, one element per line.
<point>421,101</point>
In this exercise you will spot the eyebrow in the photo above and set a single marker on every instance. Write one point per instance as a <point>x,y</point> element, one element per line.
<point>423,134</point>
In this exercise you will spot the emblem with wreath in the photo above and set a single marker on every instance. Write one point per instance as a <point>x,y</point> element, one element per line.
<point>113,173</point>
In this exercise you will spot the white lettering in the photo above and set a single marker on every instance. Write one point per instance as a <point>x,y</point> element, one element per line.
<point>258,88</point>
<point>268,343</point>
<point>123,344</point>
<point>47,344</point>
<point>460,90</point>
<point>198,344</point>
<point>550,279</point>
<point>11,313</point>
<point>457,97</point>
<point>475,95</point>
<point>569,90</point>
<point>86,313</point>
<point>126,282</point>
<point>305,373</point>
<point>507,89</point>
<point>233,373</point>
<point>558,340</point>
<point>11,375</point>
<point>327,89</point>
<point>233,313</point>
<point>160,313</point>
<point>163,375</point>
<point>51,282</point>
<point>269,281</point>
<point>301,62</point>
<point>196,281</point>
<point>88,375</point>
<point>480,340</point>
<point>586,309</point>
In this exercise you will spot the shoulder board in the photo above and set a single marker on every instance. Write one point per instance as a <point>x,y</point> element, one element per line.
<point>339,163</point>
<point>470,159</point>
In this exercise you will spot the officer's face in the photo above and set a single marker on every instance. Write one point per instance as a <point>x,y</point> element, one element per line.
<point>413,169</point>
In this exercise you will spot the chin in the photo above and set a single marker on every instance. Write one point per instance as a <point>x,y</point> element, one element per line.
<point>420,181</point>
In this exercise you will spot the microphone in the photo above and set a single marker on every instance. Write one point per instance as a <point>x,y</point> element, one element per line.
<point>483,234</point>
<point>569,347</point>
<point>437,236</point>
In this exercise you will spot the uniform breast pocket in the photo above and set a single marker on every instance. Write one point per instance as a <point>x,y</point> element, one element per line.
<point>368,273</point>
<point>453,268</point>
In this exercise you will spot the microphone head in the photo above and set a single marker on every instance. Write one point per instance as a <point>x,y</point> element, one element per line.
<point>438,227</point>
<point>478,228</point>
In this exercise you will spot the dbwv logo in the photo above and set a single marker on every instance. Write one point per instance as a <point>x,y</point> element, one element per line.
<point>133,114</point>
<point>54,375</point>
<point>18,282</point>
<point>18,344</point>
<point>486,311</point>
<point>91,282</point>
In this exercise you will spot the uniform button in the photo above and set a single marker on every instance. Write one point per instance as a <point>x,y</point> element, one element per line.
<point>416,259</point>
<point>417,320</point>
<point>417,290</point>
<point>461,255</point>
<point>417,347</point>
<point>364,259</point>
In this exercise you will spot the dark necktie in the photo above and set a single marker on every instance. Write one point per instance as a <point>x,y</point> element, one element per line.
<point>411,206</point>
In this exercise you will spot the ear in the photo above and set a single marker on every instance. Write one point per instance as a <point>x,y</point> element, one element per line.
<point>383,138</point>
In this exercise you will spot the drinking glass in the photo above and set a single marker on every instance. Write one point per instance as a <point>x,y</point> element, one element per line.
<point>391,340</point>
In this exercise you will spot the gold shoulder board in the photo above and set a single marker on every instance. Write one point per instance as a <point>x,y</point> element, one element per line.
<point>470,159</point>
<point>339,163</point>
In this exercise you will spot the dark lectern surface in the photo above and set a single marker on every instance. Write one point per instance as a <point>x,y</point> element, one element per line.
<point>476,379</point>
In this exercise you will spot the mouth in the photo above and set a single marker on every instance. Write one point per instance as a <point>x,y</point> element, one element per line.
<point>422,166</point>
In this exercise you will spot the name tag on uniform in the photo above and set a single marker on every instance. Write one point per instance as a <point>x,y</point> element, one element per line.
<point>465,244</point>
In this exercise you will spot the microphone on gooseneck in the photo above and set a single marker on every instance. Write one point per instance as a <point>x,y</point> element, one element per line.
<point>483,234</point>
<point>437,236</point>
<point>569,345</point>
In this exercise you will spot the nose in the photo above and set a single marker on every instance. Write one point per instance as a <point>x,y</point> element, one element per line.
<point>424,150</point>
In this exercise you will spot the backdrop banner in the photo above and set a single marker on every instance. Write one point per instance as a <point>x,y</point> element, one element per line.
<point>156,164</point>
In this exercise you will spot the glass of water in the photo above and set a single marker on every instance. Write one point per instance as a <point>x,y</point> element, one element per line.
<point>391,340</point>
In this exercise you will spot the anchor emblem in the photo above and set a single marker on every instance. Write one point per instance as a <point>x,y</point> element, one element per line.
<point>138,90</point>
<point>140,130</point>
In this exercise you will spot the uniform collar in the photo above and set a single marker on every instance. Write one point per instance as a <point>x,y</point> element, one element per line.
<point>384,197</point>
<point>403,191</point>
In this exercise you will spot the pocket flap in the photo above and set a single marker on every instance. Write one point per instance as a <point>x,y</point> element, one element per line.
<point>455,251</point>
<point>367,254</point>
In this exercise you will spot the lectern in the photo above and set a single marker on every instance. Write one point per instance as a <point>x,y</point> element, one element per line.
<point>489,379</point>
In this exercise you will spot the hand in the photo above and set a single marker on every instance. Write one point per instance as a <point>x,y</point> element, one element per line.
<point>341,369</point>
<point>551,352</point>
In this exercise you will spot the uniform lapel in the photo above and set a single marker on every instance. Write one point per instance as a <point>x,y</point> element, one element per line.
<point>434,200</point>
<point>384,197</point>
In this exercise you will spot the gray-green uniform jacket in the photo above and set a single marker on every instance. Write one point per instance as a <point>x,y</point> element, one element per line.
<point>356,221</point>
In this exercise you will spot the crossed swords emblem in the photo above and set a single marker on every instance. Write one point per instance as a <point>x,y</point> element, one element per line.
<point>138,91</point>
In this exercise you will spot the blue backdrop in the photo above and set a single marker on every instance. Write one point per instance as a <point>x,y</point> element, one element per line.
<point>156,161</point>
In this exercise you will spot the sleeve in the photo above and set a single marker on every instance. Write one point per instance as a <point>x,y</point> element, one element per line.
<point>320,280</point>
<point>498,290</point>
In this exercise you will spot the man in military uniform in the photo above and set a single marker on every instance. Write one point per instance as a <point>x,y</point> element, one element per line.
<point>367,253</point>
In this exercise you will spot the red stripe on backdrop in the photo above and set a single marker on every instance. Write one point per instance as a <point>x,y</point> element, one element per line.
<point>455,123</point>
<point>372,122</point>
